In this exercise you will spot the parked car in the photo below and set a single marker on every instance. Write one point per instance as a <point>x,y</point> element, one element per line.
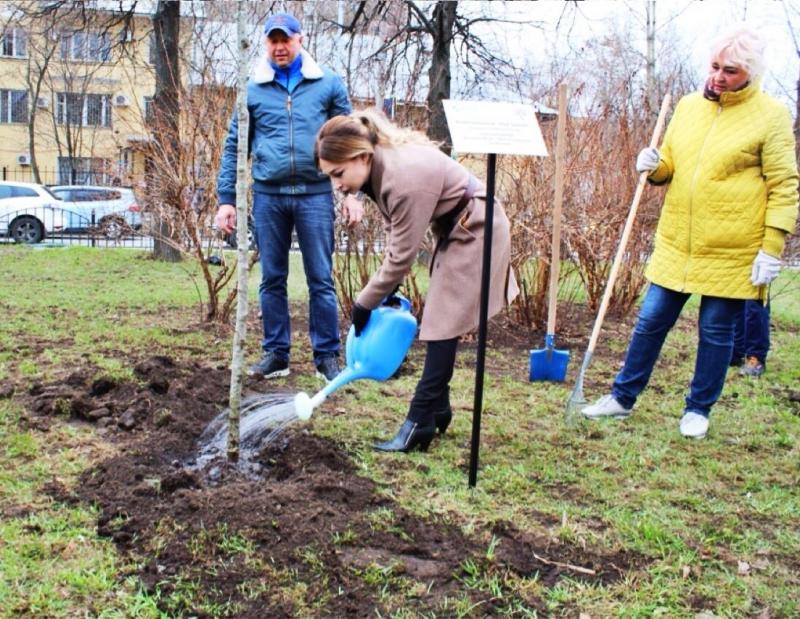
<point>29,212</point>
<point>115,210</point>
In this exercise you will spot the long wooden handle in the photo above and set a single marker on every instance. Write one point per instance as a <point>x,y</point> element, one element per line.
<point>555,245</point>
<point>626,232</point>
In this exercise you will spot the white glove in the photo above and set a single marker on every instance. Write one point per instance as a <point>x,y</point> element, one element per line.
<point>648,159</point>
<point>765,269</point>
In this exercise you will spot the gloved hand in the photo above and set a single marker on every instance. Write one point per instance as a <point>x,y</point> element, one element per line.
<point>392,299</point>
<point>648,159</point>
<point>359,316</point>
<point>765,269</point>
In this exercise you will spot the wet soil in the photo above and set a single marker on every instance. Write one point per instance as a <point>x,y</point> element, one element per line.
<point>307,536</point>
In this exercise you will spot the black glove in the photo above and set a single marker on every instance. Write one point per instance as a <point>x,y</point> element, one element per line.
<point>392,300</point>
<point>359,316</point>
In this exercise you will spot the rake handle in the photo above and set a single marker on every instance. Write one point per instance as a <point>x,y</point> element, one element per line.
<point>555,244</point>
<point>626,232</point>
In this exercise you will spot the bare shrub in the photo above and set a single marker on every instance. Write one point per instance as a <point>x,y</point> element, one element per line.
<point>601,182</point>
<point>180,189</point>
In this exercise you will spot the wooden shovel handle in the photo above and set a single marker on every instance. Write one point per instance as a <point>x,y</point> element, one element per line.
<point>555,244</point>
<point>626,232</point>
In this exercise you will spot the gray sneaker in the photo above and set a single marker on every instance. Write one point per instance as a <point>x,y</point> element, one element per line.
<point>328,367</point>
<point>270,366</point>
<point>606,406</point>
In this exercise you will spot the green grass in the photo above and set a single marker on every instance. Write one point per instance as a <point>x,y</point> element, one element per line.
<point>692,509</point>
<point>52,563</point>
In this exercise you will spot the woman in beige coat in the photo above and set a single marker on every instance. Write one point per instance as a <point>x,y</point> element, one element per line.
<point>415,185</point>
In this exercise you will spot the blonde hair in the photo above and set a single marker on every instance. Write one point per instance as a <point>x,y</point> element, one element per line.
<point>346,137</point>
<point>744,48</point>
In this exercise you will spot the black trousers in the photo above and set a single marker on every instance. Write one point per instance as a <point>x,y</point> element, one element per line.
<point>433,389</point>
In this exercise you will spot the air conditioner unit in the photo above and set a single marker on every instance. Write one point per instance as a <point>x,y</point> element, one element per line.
<point>122,101</point>
<point>42,102</point>
<point>23,159</point>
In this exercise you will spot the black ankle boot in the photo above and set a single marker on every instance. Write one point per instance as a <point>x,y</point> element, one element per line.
<point>443,419</point>
<point>410,436</point>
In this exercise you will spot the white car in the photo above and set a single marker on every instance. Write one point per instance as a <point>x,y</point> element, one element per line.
<point>112,209</point>
<point>29,212</point>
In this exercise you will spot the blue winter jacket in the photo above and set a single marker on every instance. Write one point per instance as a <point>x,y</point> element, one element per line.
<point>283,128</point>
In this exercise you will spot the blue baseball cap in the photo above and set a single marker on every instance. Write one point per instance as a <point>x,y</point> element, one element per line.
<point>284,22</point>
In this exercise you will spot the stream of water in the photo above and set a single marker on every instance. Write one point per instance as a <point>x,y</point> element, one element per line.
<point>263,417</point>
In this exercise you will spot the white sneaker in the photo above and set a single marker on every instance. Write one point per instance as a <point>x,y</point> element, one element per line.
<point>694,425</point>
<point>606,406</point>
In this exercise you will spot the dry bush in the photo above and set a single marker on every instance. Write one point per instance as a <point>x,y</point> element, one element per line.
<point>180,188</point>
<point>599,184</point>
<point>527,188</point>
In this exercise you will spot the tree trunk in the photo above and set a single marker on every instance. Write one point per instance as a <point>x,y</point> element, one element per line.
<point>651,57</point>
<point>240,335</point>
<point>166,26</point>
<point>444,16</point>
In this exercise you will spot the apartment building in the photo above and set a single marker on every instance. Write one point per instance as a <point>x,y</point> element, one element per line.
<point>74,99</point>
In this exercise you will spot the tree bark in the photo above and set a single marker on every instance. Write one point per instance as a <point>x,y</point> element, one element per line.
<point>652,99</point>
<point>242,270</point>
<point>166,26</point>
<point>444,16</point>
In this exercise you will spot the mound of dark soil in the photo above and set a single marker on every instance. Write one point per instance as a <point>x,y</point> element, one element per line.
<point>309,525</point>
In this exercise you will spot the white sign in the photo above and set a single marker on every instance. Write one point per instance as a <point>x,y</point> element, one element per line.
<point>492,127</point>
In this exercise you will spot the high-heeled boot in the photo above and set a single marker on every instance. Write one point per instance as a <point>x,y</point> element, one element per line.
<point>442,419</point>
<point>410,436</point>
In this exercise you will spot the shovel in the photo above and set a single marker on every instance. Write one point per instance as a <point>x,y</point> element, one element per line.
<point>375,354</point>
<point>549,363</point>
<point>577,400</point>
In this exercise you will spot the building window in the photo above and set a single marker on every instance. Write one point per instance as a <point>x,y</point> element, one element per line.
<point>85,46</point>
<point>82,171</point>
<point>83,110</point>
<point>13,106</point>
<point>14,43</point>
<point>149,110</point>
<point>125,163</point>
<point>151,48</point>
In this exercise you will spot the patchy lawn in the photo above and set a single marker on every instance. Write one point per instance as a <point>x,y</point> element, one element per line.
<point>107,380</point>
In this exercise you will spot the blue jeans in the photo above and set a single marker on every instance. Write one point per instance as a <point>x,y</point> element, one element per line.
<point>660,309</point>
<point>751,335</point>
<point>312,215</point>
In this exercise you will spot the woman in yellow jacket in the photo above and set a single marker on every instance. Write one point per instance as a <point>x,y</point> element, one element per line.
<point>728,155</point>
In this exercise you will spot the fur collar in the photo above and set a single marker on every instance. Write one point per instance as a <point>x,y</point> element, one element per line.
<point>263,71</point>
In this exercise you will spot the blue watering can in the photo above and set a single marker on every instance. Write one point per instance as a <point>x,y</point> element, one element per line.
<point>375,354</point>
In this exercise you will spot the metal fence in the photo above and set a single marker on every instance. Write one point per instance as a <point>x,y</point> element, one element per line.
<point>56,226</point>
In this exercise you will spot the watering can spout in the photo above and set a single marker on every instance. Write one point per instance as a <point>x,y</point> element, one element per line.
<point>375,354</point>
<point>305,405</point>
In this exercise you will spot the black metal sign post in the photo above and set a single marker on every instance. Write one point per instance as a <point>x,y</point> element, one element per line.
<point>488,225</point>
<point>492,128</point>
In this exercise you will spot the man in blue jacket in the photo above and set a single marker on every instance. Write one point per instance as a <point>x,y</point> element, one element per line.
<point>289,97</point>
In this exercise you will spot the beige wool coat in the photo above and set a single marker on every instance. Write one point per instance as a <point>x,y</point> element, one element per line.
<point>413,185</point>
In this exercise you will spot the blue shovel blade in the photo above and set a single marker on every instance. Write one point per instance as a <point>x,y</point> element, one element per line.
<point>548,363</point>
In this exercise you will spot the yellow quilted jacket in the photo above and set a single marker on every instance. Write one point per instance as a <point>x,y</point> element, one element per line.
<point>732,172</point>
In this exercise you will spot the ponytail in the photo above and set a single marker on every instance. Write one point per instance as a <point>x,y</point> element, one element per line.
<point>346,137</point>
